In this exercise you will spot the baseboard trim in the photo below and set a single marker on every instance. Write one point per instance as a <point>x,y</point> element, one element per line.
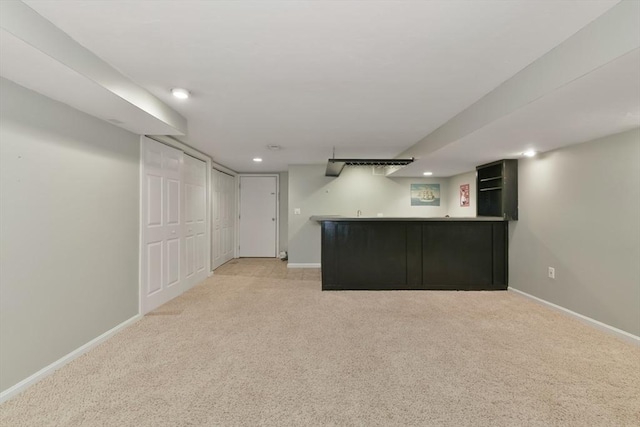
<point>303,265</point>
<point>626,336</point>
<point>48,370</point>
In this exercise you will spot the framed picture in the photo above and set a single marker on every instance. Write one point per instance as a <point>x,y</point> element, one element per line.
<point>464,195</point>
<point>425,194</point>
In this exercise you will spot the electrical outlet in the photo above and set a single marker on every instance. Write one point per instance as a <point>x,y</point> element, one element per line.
<point>552,273</point>
<point>296,211</point>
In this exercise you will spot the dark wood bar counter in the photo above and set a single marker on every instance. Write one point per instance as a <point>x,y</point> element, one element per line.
<point>414,253</point>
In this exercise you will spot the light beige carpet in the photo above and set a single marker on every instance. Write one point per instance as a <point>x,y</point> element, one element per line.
<point>254,346</point>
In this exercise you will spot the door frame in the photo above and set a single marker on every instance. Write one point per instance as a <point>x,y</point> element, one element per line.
<point>257,175</point>
<point>174,143</point>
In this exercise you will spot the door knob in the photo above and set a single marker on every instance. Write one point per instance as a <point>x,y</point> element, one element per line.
<point>273,219</point>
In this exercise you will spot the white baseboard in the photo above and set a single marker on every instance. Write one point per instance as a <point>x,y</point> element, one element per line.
<point>303,265</point>
<point>48,370</point>
<point>626,336</point>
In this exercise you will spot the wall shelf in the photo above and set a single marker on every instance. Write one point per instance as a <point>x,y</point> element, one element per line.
<point>497,189</point>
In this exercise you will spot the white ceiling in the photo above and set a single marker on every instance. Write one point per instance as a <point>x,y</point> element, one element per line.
<point>370,78</point>
<point>600,103</point>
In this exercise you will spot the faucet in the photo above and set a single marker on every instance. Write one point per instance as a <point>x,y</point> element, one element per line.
<point>359,213</point>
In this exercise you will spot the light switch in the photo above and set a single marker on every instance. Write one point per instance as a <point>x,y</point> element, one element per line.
<point>296,211</point>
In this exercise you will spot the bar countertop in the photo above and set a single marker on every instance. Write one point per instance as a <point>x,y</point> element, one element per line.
<point>321,218</point>
<point>411,253</point>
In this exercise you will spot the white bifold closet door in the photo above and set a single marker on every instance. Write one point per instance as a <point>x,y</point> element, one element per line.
<point>175,248</point>
<point>195,216</point>
<point>162,278</point>
<point>223,218</point>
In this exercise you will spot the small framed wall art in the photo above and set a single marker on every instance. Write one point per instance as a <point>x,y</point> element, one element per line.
<point>464,195</point>
<point>425,194</point>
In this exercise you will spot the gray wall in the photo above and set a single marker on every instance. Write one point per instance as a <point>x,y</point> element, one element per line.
<point>355,189</point>
<point>579,211</point>
<point>69,187</point>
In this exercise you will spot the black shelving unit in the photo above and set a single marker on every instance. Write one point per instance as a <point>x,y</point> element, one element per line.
<point>497,189</point>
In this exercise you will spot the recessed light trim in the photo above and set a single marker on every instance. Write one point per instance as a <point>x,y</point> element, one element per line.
<point>427,173</point>
<point>180,93</point>
<point>529,153</point>
<point>257,159</point>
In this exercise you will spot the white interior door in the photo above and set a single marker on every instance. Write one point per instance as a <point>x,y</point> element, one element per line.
<point>162,222</point>
<point>258,216</point>
<point>195,214</point>
<point>222,227</point>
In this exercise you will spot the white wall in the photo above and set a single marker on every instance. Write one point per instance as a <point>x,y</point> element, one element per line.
<point>69,188</point>
<point>355,189</point>
<point>580,213</point>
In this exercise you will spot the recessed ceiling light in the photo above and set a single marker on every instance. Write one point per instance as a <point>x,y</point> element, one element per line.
<point>529,153</point>
<point>427,173</point>
<point>180,93</point>
<point>257,159</point>
<point>274,147</point>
